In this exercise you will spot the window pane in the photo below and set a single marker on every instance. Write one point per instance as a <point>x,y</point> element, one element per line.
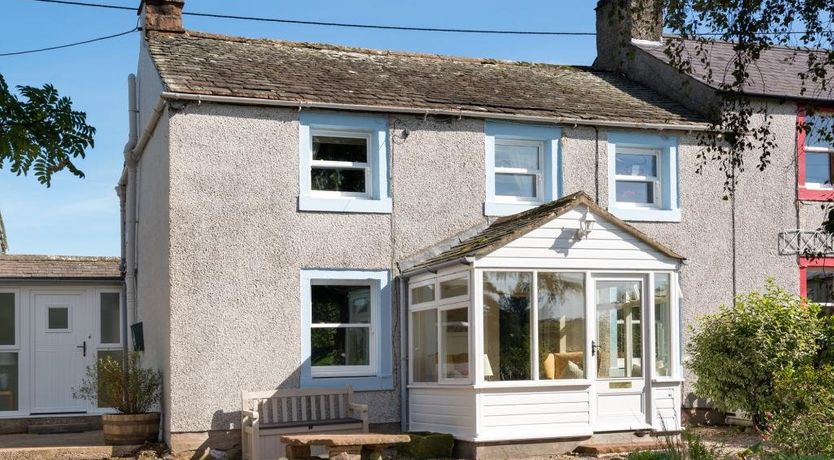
<point>455,343</point>
<point>338,180</point>
<point>507,325</point>
<point>636,164</point>
<point>113,354</point>
<point>821,128</point>
<point>820,285</point>
<point>110,327</point>
<point>561,325</point>
<point>520,185</point>
<point>635,192</point>
<point>818,168</point>
<point>619,337</point>
<point>454,287</point>
<point>662,326</point>
<point>424,341</point>
<point>344,346</point>
<point>517,156</point>
<point>9,393</point>
<point>422,294</point>
<point>341,304</point>
<point>58,318</point>
<point>7,319</point>
<point>327,148</point>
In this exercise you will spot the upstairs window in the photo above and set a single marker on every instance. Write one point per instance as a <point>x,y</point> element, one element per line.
<point>340,164</point>
<point>816,156</point>
<point>343,161</point>
<point>637,178</point>
<point>521,167</point>
<point>643,177</point>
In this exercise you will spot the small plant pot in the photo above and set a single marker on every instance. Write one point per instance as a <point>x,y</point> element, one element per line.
<point>133,429</point>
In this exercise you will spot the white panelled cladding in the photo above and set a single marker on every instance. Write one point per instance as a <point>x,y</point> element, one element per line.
<point>531,313</point>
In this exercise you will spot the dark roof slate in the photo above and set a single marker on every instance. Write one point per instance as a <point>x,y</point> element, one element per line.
<point>38,267</point>
<point>208,64</point>
<point>776,73</point>
<point>509,228</point>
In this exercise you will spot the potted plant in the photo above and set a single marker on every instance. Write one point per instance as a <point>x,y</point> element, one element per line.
<point>132,391</point>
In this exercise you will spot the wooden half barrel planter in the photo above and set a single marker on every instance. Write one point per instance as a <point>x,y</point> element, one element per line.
<point>130,429</point>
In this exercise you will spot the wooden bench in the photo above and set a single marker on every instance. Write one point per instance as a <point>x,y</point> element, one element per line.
<point>266,415</point>
<point>341,446</point>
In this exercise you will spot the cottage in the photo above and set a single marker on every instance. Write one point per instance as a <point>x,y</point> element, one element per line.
<point>508,252</point>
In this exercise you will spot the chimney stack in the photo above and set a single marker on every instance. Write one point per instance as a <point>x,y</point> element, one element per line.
<point>619,22</point>
<point>162,15</point>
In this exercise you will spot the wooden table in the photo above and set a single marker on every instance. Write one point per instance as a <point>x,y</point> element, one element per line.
<point>341,446</point>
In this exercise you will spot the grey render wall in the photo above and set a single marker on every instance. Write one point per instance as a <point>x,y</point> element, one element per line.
<point>152,235</point>
<point>237,243</point>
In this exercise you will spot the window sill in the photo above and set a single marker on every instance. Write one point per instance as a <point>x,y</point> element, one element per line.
<point>498,209</point>
<point>811,194</point>
<point>647,215</point>
<point>350,205</point>
<point>374,383</point>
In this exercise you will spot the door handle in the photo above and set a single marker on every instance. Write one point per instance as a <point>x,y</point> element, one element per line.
<point>83,348</point>
<point>594,347</point>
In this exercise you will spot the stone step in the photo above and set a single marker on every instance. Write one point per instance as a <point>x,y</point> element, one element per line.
<point>55,428</point>
<point>593,450</point>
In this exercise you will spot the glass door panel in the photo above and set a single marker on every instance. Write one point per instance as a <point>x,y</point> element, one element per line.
<point>619,307</point>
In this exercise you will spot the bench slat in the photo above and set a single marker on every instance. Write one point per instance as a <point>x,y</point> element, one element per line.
<point>342,406</point>
<point>274,418</point>
<point>332,406</point>
<point>304,409</point>
<point>284,410</point>
<point>294,409</point>
<point>323,402</point>
<point>313,412</point>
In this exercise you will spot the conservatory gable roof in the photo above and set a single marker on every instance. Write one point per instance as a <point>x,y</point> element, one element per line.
<point>483,241</point>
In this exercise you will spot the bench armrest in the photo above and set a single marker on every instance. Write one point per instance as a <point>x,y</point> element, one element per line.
<point>251,415</point>
<point>360,411</point>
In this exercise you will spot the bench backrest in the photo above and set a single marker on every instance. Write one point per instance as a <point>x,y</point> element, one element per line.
<point>299,405</point>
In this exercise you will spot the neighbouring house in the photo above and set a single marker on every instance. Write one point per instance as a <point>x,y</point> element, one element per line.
<point>58,314</point>
<point>4,242</point>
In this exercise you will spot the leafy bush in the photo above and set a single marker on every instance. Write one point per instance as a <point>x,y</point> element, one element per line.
<point>803,423</point>
<point>131,390</point>
<point>736,352</point>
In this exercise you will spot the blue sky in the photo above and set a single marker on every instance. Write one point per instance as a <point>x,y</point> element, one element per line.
<point>81,217</point>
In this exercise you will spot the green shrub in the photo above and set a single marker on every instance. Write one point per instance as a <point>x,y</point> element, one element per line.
<point>736,352</point>
<point>130,390</point>
<point>803,423</point>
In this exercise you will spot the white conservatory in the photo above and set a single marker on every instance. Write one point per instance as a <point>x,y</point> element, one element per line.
<point>559,322</point>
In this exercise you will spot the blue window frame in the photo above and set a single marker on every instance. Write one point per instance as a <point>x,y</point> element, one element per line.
<point>643,177</point>
<point>343,163</point>
<point>346,329</point>
<point>522,167</point>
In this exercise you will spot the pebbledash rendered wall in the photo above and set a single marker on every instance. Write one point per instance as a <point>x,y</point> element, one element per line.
<point>238,242</point>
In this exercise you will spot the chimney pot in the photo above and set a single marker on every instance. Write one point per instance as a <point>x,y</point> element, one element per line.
<point>162,15</point>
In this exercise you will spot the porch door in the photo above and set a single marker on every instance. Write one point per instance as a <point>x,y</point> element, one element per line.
<point>618,349</point>
<point>63,345</point>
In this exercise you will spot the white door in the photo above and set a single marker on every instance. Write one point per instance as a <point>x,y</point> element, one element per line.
<point>618,349</point>
<point>63,345</point>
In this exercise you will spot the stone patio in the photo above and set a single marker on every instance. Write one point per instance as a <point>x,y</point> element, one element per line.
<point>69,446</point>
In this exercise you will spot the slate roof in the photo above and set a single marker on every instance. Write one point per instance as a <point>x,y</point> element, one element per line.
<point>209,64</point>
<point>509,228</point>
<point>776,73</point>
<point>37,267</point>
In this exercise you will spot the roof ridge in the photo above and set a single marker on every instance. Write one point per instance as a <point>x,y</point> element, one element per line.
<point>378,52</point>
<point>725,42</point>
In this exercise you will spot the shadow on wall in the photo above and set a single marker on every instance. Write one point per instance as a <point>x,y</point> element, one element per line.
<point>224,439</point>
<point>699,411</point>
